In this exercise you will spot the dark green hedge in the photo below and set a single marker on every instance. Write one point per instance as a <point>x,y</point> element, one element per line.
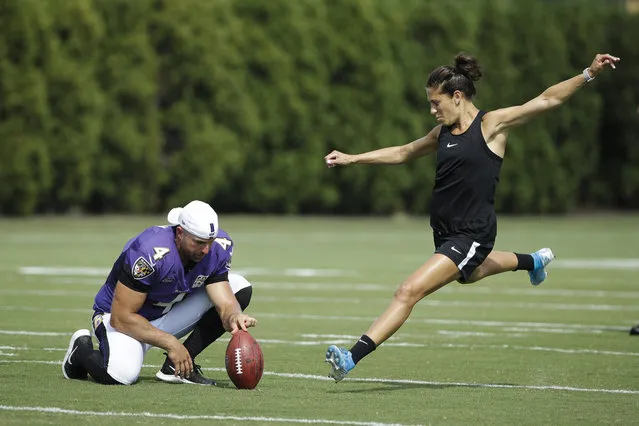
<point>134,106</point>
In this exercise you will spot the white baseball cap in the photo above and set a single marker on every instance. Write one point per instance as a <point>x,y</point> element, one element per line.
<point>197,218</point>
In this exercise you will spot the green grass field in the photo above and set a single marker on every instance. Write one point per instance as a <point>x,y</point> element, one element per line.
<point>496,352</point>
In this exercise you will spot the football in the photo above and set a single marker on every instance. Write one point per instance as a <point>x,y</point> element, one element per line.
<point>244,360</point>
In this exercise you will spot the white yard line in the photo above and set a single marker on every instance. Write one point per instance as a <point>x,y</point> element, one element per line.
<point>353,301</point>
<point>32,333</point>
<point>103,272</point>
<point>506,326</point>
<point>74,275</point>
<point>323,340</point>
<point>395,381</point>
<point>303,286</point>
<point>34,309</point>
<point>624,264</point>
<point>48,293</point>
<point>220,417</point>
<point>600,264</point>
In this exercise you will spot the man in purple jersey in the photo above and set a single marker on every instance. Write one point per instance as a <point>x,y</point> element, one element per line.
<point>168,281</point>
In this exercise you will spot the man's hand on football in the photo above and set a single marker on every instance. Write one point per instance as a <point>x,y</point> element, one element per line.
<point>240,321</point>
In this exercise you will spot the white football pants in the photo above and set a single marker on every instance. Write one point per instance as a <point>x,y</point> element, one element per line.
<point>126,354</point>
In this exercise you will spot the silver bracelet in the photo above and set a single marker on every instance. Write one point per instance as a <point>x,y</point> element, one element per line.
<point>587,75</point>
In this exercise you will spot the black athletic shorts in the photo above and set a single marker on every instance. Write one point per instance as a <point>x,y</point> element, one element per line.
<point>466,253</point>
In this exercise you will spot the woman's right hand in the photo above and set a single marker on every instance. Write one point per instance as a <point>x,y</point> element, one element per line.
<point>337,158</point>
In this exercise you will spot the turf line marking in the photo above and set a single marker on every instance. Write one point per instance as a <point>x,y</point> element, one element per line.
<point>459,304</point>
<point>588,328</point>
<point>536,291</point>
<point>57,410</point>
<point>453,288</point>
<point>456,384</point>
<point>103,272</point>
<point>33,333</point>
<point>34,309</point>
<point>346,341</point>
<point>598,264</point>
<point>508,326</point>
<point>500,386</point>
<point>394,381</point>
<point>49,293</point>
<point>387,288</point>
<point>350,301</point>
<point>627,264</point>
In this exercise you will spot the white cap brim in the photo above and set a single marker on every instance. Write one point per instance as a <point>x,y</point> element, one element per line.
<point>174,216</point>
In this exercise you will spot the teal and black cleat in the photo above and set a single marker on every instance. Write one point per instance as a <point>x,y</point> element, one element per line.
<point>341,362</point>
<point>542,258</point>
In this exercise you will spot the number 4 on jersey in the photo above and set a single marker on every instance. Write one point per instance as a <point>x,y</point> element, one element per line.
<point>224,242</point>
<point>159,252</point>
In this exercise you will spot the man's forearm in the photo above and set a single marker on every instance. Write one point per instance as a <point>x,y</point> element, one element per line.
<point>142,330</point>
<point>227,311</point>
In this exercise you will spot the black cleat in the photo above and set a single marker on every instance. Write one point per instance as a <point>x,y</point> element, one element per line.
<point>71,368</point>
<point>167,374</point>
<point>634,331</point>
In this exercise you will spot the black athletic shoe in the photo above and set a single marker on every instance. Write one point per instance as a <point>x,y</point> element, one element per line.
<point>634,331</point>
<point>71,368</point>
<point>167,374</point>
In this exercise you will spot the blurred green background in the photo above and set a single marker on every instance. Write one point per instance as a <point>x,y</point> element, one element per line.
<point>136,106</point>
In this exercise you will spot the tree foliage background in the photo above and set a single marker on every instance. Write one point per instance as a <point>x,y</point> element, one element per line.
<point>136,106</point>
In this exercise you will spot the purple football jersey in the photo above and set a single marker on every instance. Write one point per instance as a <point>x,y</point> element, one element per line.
<point>150,263</point>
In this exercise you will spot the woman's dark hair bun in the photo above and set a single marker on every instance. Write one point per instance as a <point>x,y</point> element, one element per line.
<point>468,66</point>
